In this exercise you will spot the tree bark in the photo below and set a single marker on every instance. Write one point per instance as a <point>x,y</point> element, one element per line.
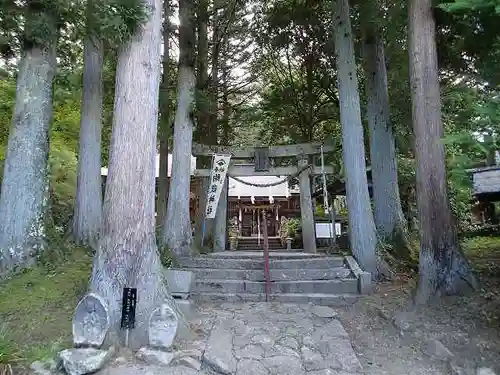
<point>24,195</point>
<point>362,233</point>
<point>311,100</point>
<point>226,107</point>
<point>162,194</point>
<point>202,133</point>
<point>202,104</point>
<point>88,202</point>
<point>177,230</point>
<point>490,153</point>
<point>201,191</point>
<point>389,217</point>
<point>214,83</point>
<point>164,125</point>
<point>220,222</point>
<point>443,267</point>
<point>127,255</point>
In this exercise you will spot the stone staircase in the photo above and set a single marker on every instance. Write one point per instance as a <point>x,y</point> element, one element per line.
<point>252,243</point>
<point>294,277</point>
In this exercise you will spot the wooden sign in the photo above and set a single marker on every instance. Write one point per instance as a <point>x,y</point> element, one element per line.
<point>128,308</point>
<point>261,159</point>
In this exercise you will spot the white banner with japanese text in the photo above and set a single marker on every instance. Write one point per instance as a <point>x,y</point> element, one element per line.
<point>217,180</point>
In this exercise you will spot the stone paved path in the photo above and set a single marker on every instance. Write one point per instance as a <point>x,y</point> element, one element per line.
<point>276,339</point>
<point>263,339</point>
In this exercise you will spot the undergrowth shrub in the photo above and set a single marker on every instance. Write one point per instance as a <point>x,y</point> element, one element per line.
<point>290,228</point>
<point>487,246</point>
<point>62,189</point>
<point>9,352</point>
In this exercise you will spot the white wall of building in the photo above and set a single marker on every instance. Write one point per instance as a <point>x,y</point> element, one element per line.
<point>323,230</point>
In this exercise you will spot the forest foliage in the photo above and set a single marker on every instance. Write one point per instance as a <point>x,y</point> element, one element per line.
<point>271,93</point>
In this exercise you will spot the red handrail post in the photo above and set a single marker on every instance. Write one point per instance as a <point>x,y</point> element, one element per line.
<point>267,275</point>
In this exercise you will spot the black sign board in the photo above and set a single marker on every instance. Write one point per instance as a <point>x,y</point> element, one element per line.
<point>261,159</point>
<point>128,308</point>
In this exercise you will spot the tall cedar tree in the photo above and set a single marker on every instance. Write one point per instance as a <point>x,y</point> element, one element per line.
<point>23,199</point>
<point>128,255</point>
<point>443,267</point>
<point>177,234</point>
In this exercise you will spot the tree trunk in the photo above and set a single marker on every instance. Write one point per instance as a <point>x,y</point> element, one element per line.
<point>202,104</point>
<point>164,125</point>
<point>226,108</point>
<point>162,194</point>
<point>362,233</point>
<point>177,230</point>
<point>389,217</point>
<point>202,191</point>
<point>220,222</point>
<point>201,223</point>
<point>127,255</point>
<point>214,84</point>
<point>209,126</point>
<point>23,200</point>
<point>210,136</point>
<point>202,133</point>
<point>88,202</point>
<point>490,150</point>
<point>443,267</point>
<point>310,95</point>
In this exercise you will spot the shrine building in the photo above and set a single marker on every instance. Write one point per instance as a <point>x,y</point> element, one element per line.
<point>245,203</point>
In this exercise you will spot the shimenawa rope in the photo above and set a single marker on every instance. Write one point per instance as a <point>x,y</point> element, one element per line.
<point>282,181</point>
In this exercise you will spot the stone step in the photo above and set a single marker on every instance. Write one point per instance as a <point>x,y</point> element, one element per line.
<point>253,247</point>
<point>256,240</point>
<point>316,298</point>
<point>261,246</point>
<point>270,238</point>
<point>256,244</point>
<point>338,286</point>
<point>276,275</point>
<point>271,250</point>
<point>258,264</point>
<point>259,255</point>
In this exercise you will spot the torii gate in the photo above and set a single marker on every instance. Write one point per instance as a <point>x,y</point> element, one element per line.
<point>265,164</point>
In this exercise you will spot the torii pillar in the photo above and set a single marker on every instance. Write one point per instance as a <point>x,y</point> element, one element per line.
<point>306,207</point>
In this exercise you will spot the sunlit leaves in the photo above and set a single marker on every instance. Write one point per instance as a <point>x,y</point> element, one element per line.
<point>460,5</point>
<point>294,59</point>
<point>37,21</point>
<point>471,123</point>
<point>115,20</point>
<point>7,98</point>
<point>62,183</point>
<point>468,35</point>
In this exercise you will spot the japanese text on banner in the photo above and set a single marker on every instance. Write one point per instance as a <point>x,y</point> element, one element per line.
<point>217,180</point>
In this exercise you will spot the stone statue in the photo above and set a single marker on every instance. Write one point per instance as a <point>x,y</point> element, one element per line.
<point>91,321</point>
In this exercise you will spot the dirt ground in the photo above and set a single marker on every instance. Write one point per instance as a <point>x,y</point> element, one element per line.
<point>468,326</point>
